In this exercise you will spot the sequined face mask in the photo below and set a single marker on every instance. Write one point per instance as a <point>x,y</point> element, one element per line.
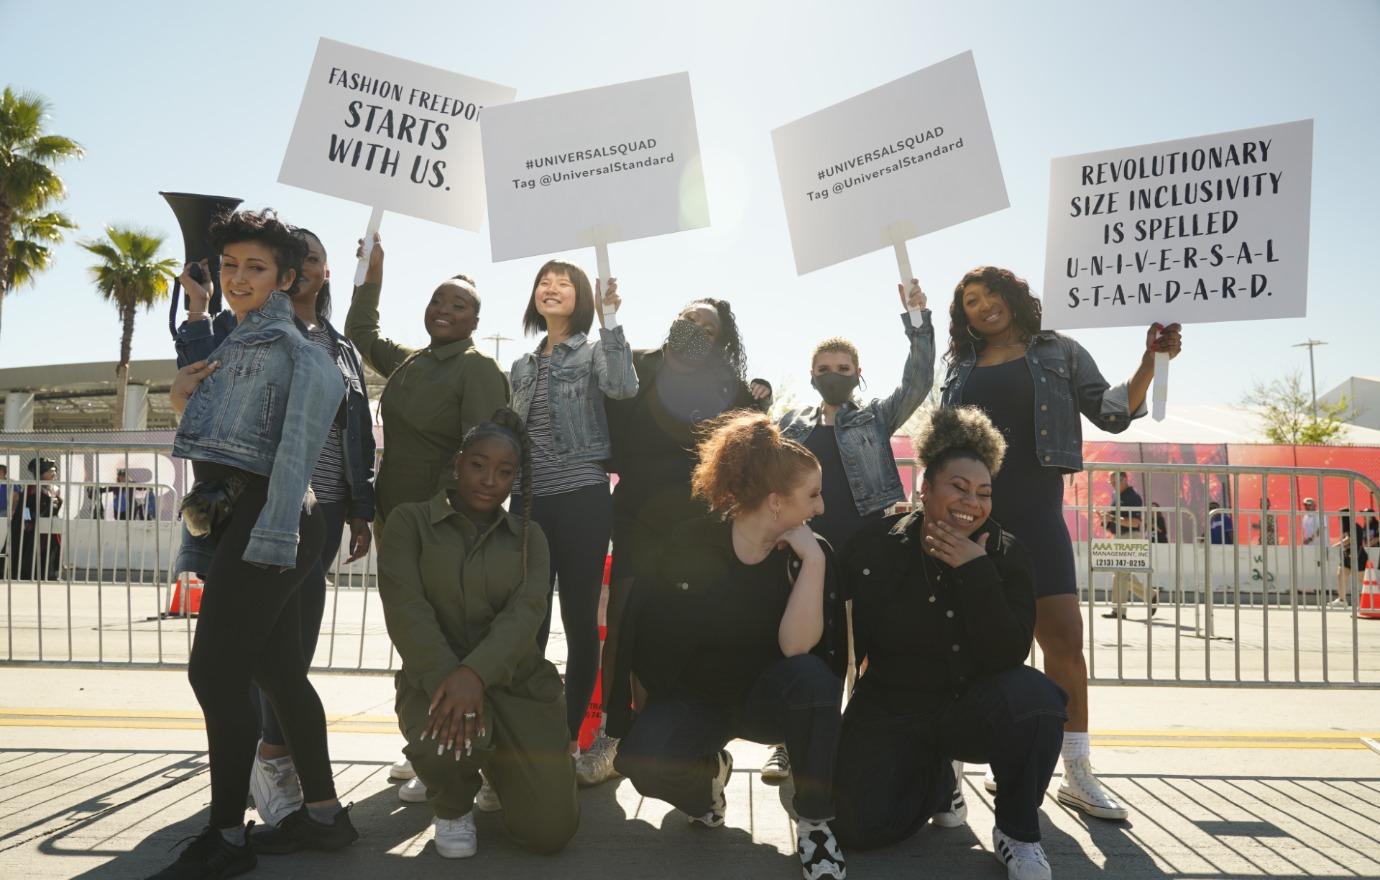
<point>689,342</point>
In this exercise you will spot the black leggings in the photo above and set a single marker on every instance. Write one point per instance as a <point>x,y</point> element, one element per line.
<point>576,525</point>
<point>249,628</point>
<point>312,599</point>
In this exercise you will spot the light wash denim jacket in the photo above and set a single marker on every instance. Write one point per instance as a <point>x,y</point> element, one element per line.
<point>864,433</point>
<point>583,373</point>
<point>1067,382</point>
<point>266,410</point>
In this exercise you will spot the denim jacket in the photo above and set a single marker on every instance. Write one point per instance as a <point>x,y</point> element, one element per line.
<point>266,410</point>
<point>583,373</point>
<point>198,340</point>
<point>1067,382</point>
<point>864,432</point>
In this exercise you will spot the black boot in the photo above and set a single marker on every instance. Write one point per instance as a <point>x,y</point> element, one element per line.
<point>211,857</point>
<point>299,830</point>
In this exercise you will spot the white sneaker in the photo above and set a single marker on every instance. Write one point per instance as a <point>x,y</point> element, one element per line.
<point>777,769</point>
<point>402,770</point>
<point>486,801</point>
<point>276,789</point>
<point>719,802</point>
<point>957,814</point>
<point>456,838</point>
<point>1082,791</point>
<point>819,852</point>
<point>595,764</point>
<point>413,791</point>
<point>989,781</point>
<point>1023,861</point>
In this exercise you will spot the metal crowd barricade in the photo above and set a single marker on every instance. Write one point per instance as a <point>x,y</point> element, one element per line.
<point>1254,612</point>
<point>111,599</point>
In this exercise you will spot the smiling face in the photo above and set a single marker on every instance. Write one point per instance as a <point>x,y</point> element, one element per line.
<point>802,503</point>
<point>249,274</point>
<point>959,494</point>
<point>451,315</point>
<point>315,272</point>
<point>484,475</point>
<point>555,296</point>
<point>987,313</point>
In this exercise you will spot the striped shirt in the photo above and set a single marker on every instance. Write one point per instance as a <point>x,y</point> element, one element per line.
<point>328,480</point>
<point>550,476</point>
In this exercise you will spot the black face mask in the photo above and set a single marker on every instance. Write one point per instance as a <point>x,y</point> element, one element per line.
<point>835,388</point>
<point>689,342</point>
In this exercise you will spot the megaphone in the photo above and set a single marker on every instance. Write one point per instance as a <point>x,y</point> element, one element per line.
<point>194,214</point>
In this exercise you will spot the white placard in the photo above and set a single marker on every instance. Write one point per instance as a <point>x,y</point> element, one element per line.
<point>901,160</point>
<point>392,134</point>
<point>601,165</point>
<point>1121,554</point>
<point>1210,228</point>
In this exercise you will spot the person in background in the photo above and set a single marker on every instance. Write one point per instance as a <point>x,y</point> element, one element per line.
<point>464,585</point>
<point>559,391</point>
<point>1034,384</point>
<point>1221,529</point>
<point>741,633</point>
<point>852,441</point>
<point>342,482</point>
<point>434,395</point>
<point>1312,521</point>
<point>1353,556</point>
<point>1127,522</point>
<point>698,374</point>
<point>944,614</point>
<point>35,547</point>
<point>1161,534</point>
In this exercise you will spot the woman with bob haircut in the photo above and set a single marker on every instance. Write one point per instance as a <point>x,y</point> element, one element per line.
<point>1033,384</point>
<point>943,614</point>
<point>740,634</point>
<point>559,390</point>
<point>253,424</point>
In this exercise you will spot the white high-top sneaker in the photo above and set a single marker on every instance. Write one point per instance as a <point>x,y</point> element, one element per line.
<point>957,813</point>
<point>276,789</point>
<point>1082,791</point>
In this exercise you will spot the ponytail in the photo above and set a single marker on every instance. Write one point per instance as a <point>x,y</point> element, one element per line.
<point>742,459</point>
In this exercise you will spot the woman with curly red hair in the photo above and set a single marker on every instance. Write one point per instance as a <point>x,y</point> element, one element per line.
<point>740,634</point>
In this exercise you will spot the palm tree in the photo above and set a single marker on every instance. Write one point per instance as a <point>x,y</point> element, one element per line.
<point>28,185</point>
<point>129,275</point>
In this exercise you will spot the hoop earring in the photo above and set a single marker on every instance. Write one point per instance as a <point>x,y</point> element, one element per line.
<point>974,336</point>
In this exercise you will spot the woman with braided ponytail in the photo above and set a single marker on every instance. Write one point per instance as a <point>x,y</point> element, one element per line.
<point>740,634</point>
<point>463,585</point>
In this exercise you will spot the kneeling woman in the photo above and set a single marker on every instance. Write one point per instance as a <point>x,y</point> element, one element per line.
<point>943,614</point>
<point>463,585</point>
<point>740,634</point>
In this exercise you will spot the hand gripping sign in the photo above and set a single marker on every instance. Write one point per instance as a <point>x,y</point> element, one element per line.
<point>393,134</point>
<point>886,166</point>
<point>592,167</point>
<point>1211,228</point>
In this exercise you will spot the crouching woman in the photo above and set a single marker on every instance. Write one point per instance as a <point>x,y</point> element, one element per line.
<point>943,616</point>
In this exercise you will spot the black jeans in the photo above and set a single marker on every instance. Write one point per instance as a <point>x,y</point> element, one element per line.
<point>576,525</point>
<point>894,771</point>
<point>312,606</point>
<point>250,628</point>
<point>670,752</point>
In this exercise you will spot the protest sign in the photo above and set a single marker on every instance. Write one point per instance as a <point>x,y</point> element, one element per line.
<point>878,169</point>
<point>591,167</point>
<point>1210,228</point>
<point>392,134</point>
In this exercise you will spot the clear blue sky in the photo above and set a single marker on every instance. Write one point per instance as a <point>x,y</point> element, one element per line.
<point>176,96</point>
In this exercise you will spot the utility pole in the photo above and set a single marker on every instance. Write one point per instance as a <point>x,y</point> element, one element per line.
<point>498,339</point>
<point>1312,376</point>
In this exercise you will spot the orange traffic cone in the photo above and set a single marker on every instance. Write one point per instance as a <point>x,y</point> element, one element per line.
<point>189,603</point>
<point>1369,604</point>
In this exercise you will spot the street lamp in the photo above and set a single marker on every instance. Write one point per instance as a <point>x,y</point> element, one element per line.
<point>1312,378</point>
<point>497,339</point>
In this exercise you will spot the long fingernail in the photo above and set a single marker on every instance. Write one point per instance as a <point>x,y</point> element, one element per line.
<point>440,750</point>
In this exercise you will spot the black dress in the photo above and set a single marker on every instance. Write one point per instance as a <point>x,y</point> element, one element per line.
<point>1027,498</point>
